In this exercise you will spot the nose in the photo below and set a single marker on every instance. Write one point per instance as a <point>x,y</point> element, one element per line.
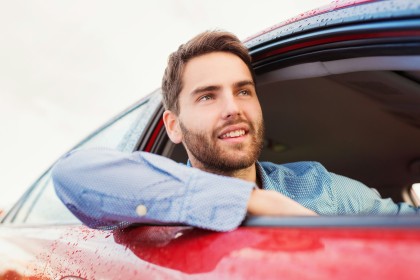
<point>231,106</point>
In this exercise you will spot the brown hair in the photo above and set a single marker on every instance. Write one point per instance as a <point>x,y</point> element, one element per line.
<point>203,43</point>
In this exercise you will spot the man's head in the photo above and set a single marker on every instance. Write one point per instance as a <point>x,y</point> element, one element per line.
<point>203,43</point>
<point>211,102</point>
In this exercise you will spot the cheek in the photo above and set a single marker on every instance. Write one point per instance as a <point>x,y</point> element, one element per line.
<point>202,117</point>
<point>254,111</point>
<point>195,121</point>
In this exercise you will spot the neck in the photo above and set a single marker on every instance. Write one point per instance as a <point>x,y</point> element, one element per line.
<point>248,174</point>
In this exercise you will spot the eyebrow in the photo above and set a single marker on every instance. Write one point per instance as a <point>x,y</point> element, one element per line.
<point>216,88</point>
<point>244,83</point>
<point>205,89</point>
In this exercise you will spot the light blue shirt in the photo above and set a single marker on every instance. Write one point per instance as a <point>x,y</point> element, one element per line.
<point>107,189</point>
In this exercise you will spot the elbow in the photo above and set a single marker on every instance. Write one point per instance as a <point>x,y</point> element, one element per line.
<point>63,173</point>
<point>59,174</point>
<point>73,170</point>
<point>70,189</point>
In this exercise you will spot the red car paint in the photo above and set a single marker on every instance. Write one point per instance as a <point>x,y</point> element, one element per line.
<point>154,136</point>
<point>154,252</point>
<point>266,253</point>
<point>349,37</point>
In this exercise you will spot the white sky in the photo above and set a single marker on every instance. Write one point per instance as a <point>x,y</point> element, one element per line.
<point>68,66</point>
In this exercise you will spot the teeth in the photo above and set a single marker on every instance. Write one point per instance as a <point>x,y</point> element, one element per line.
<point>235,133</point>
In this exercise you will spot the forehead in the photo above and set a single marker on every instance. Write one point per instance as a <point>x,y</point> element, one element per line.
<point>216,68</point>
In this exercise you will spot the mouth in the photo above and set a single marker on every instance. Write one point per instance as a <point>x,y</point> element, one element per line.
<point>233,134</point>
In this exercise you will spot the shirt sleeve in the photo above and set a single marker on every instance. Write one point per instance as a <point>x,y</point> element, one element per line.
<point>107,188</point>
<point>353,197</point>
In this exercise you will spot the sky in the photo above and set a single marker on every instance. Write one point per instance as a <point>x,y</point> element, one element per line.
<point>68,66</point>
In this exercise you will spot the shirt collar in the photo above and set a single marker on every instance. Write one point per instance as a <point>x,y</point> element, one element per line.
<point>266,181</point>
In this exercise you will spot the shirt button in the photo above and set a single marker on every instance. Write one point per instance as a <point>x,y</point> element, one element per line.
<point>141,210</point>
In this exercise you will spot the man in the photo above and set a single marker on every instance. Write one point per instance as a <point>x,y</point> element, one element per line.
<point>212,108</point>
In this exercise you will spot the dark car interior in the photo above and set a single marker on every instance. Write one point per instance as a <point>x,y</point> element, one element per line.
<point>359,118</point>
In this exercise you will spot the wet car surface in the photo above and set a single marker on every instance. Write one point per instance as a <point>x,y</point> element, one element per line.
<point>161,252</point>
<point>339,85</point>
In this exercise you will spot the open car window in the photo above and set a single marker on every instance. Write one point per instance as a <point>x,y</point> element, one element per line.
<point>358,117</point>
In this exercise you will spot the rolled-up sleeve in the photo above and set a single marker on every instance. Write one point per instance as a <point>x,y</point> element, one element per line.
<point>107,188</point>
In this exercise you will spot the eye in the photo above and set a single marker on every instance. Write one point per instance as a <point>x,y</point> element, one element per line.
<point>205,97</point>
<point>244,92</point>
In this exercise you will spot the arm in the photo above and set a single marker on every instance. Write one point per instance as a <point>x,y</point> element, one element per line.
<point>273,203</point>
<point>106,189</point>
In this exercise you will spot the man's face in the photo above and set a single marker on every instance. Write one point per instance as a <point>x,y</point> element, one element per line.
<point>220,116</point>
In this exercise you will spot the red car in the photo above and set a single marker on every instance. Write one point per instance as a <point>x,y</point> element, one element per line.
<point>339,85</point>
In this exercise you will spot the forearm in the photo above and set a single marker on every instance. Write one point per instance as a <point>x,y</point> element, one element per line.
<point>105,187</point>
<point>272,203</point>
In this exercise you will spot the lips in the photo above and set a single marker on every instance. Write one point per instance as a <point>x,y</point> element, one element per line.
<point>234,131</point>
<point>232,134</point>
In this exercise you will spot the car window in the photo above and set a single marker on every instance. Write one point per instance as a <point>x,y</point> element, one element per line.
<point>42,206</point>
<point>360,124</point>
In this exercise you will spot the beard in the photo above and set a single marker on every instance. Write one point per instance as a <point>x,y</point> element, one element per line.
<point>223,160</point>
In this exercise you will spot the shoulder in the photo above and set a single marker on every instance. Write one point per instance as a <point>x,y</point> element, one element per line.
<point>298,169</point>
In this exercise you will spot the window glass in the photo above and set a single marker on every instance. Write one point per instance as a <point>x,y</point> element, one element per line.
<point>122,134</point>
<point>44,207</point>
<point>48,208</point>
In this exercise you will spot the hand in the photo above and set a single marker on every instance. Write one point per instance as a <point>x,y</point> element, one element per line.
<point>272,203</point>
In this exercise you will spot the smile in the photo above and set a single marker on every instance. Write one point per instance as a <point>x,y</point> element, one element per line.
<point>233,134</point>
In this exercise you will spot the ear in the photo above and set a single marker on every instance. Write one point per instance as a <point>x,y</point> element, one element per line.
<point>171,122</point>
